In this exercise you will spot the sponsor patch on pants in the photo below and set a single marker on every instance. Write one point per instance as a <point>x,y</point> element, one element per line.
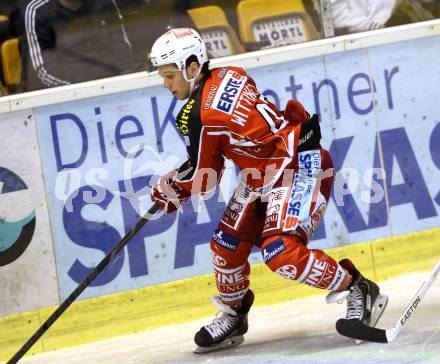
<point>288,271</point>
<point>275,208</point>
<point>235,211</point>
<point>225,240</point>
<point>323,275</point>
<point>301,194</point>
<point>272,250</point>
<point>217,260</point>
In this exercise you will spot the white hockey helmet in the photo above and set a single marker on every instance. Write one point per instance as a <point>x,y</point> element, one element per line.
<point>176,46</point>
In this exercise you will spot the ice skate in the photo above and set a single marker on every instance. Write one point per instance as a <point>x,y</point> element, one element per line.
<point>227,330</point>
<point>364,300</point>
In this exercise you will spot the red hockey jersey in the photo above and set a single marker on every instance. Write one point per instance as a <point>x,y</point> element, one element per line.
<point>227,118</point>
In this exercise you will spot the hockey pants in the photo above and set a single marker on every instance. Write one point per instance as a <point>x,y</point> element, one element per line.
<point>281,225</point>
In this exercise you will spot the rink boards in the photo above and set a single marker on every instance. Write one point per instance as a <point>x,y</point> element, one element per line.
<point>80,181</point>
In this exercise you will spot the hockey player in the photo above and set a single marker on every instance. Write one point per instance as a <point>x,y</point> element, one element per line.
<point>285,183</point>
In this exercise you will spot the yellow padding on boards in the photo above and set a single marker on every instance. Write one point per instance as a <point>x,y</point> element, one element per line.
<point>175,302</point>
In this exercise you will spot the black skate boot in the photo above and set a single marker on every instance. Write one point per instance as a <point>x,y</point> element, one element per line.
<point>226,330</point>
<point>364,300</point>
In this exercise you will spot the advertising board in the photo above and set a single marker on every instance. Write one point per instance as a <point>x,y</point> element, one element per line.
<point>379,118</point>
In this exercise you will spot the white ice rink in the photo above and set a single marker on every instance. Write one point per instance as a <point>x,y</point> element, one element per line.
<point>299,331</point>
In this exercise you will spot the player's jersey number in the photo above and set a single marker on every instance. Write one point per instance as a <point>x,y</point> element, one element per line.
<point>275,122</point>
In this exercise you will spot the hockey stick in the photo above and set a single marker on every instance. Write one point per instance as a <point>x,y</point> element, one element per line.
<point>357,330</point>
<point>92,275</point>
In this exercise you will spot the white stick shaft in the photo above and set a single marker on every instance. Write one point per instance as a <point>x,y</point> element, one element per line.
<point>416,300</point>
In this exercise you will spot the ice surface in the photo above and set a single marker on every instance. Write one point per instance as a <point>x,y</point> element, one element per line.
<point>299,331</point>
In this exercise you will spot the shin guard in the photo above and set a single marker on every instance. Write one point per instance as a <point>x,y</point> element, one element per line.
<point>289,257</point>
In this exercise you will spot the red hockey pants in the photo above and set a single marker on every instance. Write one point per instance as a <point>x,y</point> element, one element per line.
<point>281,225</point>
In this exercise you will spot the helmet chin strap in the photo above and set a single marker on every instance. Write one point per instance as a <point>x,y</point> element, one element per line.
<point>191,81</point>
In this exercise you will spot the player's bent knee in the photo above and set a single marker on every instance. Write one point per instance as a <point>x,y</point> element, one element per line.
<point>285,256</point>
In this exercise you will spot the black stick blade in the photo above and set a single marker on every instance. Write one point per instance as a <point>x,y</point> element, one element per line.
<point>357,330</point>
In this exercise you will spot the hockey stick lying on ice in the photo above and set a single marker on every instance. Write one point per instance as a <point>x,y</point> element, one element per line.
<point>357,330</point>
<point>92,275</point>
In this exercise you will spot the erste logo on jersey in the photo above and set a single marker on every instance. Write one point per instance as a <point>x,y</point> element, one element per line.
<point>228,92</point>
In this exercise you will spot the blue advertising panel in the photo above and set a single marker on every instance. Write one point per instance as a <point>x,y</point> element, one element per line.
<point>409,125</point>
<point>100,156</point>
<point>380,123</point>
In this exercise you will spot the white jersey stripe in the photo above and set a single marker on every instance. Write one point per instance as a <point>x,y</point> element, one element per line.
<point>232,140</point>
<point>242,152</point>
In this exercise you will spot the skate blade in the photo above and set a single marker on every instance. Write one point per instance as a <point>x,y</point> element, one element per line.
<point>378,309</point>
<point>226,344</point>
